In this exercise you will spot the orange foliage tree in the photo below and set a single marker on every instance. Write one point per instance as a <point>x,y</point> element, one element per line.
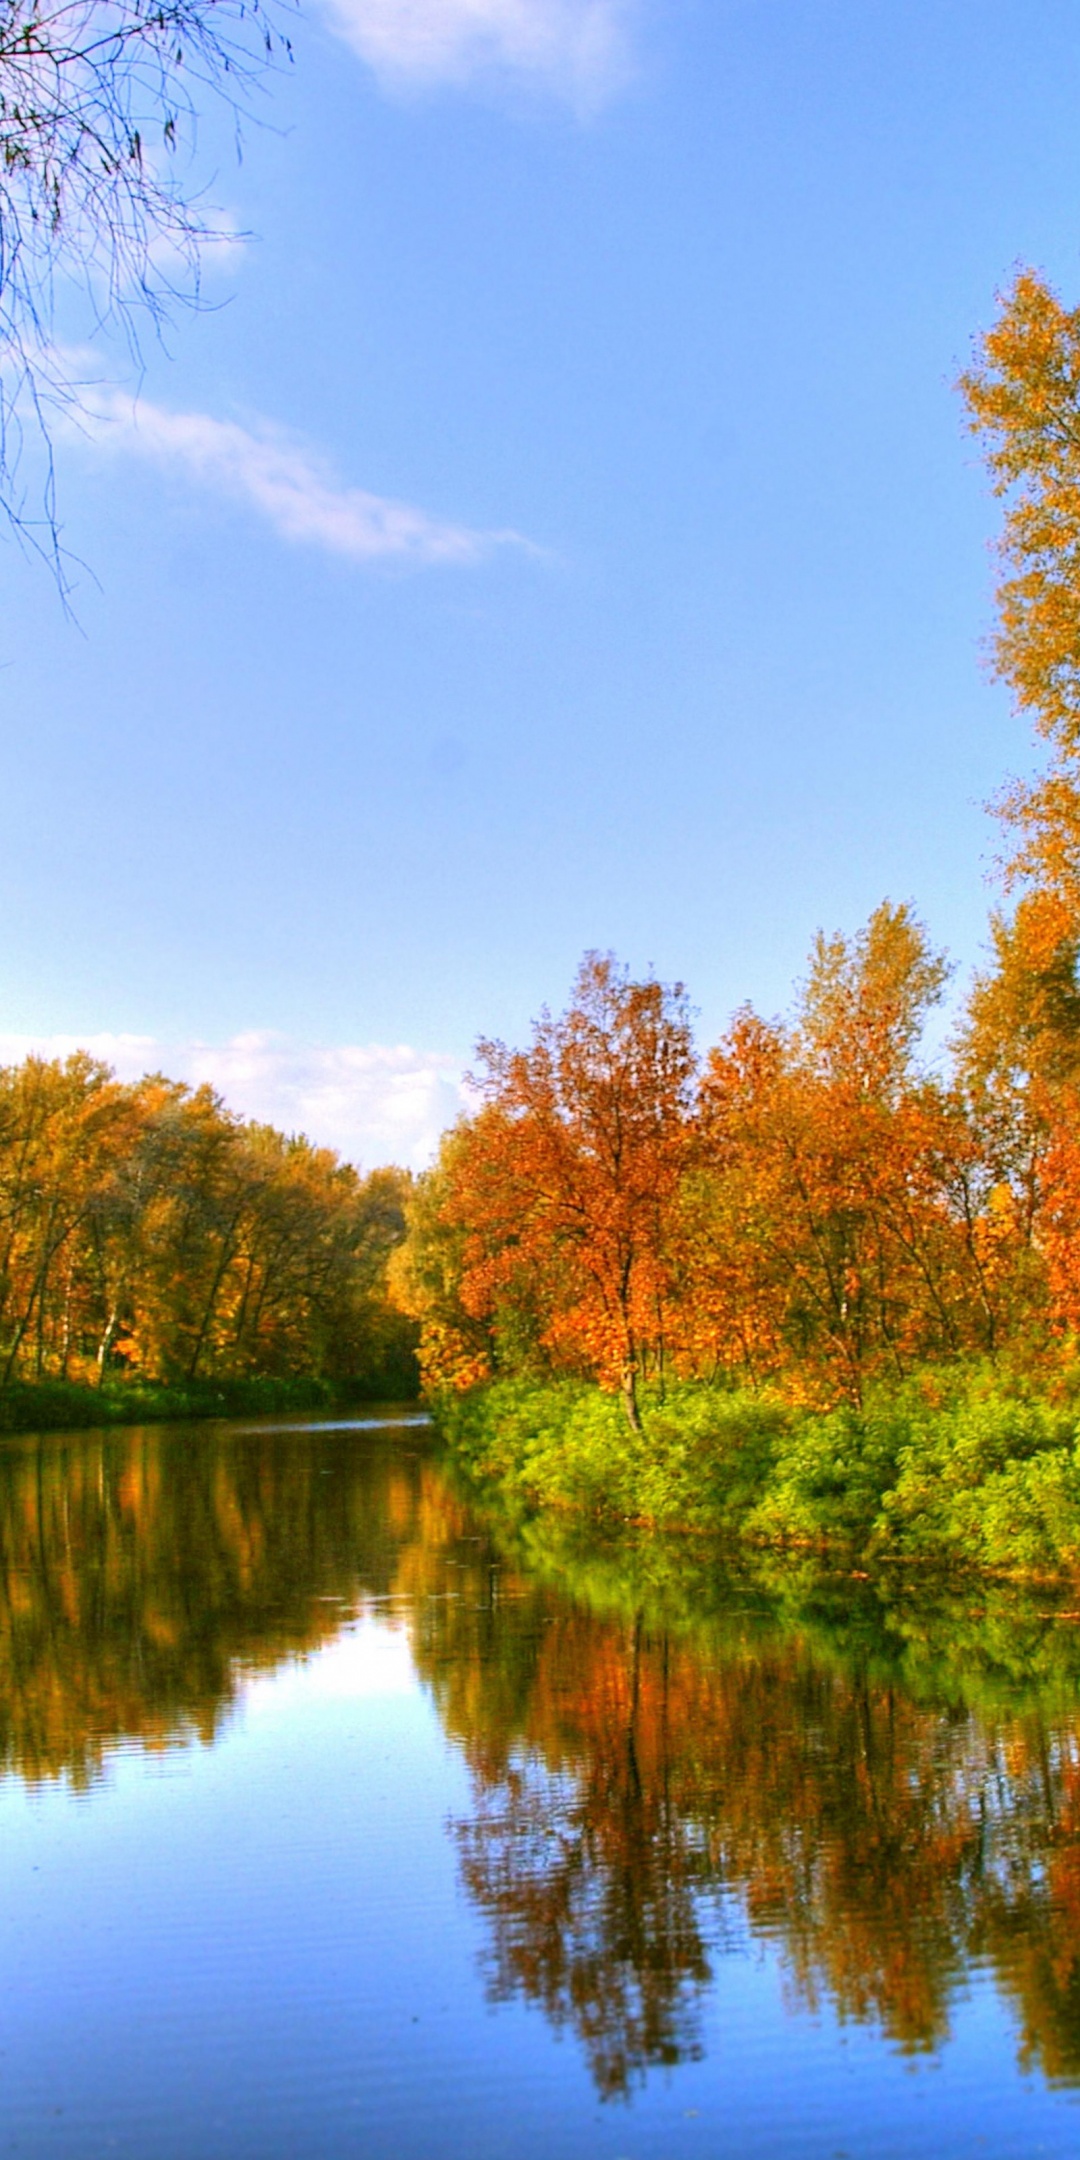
<point>815,1207</point>
<point>1023,398</point>
<point>1023,1038</point>
<point>834,1216</point>
<point>564,1191</point>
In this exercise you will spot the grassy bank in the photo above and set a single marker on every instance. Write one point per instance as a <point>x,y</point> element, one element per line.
<point>52,1405</point>
<point>956,1467</point>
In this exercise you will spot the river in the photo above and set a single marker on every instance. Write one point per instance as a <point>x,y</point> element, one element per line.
<point>338,1819</point>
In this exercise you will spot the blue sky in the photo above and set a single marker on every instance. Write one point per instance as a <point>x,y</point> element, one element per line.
<point>559,532</point>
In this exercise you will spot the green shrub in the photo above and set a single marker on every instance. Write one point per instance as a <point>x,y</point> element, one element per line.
<point>953,1466</point>
<point>699,1462</point>
<point>829,1476</point>
<point>953,1459</point>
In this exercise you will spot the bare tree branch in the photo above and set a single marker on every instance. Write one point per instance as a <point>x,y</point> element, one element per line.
<point>99,108</point>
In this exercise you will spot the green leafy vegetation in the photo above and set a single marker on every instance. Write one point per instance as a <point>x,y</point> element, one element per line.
<point>955,1467</point>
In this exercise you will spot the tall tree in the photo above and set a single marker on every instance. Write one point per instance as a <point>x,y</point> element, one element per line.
<point>1023,398</point>
<point>830,1168</point>
<point>574,1171</point>
<point>1020,1048</point>
<point>147,1228</point>
<point>63,1127</point>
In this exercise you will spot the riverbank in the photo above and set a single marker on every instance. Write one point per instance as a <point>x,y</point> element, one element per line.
<point>69,1405</point>
<point>958,1466</point>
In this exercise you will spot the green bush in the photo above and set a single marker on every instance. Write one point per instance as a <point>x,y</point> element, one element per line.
<point>952,1464</point>
<point>699,1462</point>
<point>956,1466</point>
<point>828,1477</point>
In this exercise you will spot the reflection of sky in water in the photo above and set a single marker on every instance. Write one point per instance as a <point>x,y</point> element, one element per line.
<point>369,1658</point>
<point>265,1947</point>
<point>325,1425</point>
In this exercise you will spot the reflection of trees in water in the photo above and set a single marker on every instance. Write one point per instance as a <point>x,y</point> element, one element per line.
<point>640,1769</point>
<point>630,1785</point>
<point>141,1573</point>
<point>589,1879</point>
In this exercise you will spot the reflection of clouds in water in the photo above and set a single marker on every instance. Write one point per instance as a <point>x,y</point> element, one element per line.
<point>369,1658</point>
<point>374,1102</point>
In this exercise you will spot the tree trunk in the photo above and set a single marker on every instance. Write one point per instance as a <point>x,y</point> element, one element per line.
<point>106,1343</point>
<point>628,1386</point>
<point>65,1338</point>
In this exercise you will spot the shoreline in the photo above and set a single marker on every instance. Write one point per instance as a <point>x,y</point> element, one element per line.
<point>28,1406</point>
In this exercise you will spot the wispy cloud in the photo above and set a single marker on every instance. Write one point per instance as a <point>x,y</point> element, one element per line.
<point>374,1102</point>
<point>288,483</point>
<point>578,50</point>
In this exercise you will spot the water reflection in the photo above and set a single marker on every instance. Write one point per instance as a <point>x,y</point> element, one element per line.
<point>668,1759</point>
<point>883,1787</point>
<point>142,1575</point>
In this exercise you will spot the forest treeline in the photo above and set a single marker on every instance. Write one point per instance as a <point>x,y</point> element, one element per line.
<point>148,1235</point>
<point>814,1207</point>
<point>807,1205</point>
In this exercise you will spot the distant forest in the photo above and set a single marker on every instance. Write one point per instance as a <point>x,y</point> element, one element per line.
<point>148,1233</point>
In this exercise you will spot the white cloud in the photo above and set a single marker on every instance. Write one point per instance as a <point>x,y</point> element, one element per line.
<point>576,49</point>
<point>374,1102</point>
<point>288,483</point>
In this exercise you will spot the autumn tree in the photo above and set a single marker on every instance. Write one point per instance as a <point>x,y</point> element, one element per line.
<point>1021,1044</point>
<point>145,1228</point>
<point>569,1180</point>
<point>457,1347</point>
<point>1023,399</point>
<point>833,1171</point>
<point>63,1126</point>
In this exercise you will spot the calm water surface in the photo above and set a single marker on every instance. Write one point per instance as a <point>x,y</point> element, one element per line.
<point>336,1821</point>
